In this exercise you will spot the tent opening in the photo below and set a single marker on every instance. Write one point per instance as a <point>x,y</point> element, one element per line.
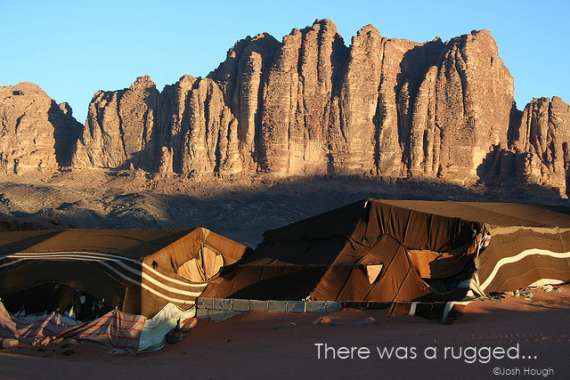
<point>58,297</point>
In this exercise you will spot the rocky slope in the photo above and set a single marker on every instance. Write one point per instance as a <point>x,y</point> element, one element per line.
<point>311,105</point>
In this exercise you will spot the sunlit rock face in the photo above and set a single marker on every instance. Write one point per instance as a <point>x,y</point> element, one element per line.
<point>36,133</point>
<point>310,104</point>
<point>199,128</point>
<point>120,128</point>
<point>543,135</point>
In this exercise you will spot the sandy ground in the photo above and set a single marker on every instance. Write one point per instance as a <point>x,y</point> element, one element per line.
<point>280,346</point>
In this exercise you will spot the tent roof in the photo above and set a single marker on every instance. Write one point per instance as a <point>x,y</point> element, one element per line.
<point>493,213</point>
<point>134,243</point>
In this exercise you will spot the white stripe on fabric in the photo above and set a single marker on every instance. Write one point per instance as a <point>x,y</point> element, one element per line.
<point>546,281</point>
<point>102,262</point>
<point>100,254</point>
<point>123,265</point>
<point>518,257</point>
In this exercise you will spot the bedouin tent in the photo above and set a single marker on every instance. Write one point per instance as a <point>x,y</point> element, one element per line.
<point>123,288</point>
<point>368,252</point>
<point>404,253</point>
<point>529,245</point>
<point>135,271</point>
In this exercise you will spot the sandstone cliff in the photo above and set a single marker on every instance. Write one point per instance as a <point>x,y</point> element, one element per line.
<point>543,138</point>
<point>311,104</point>
<point>36,134</point>
<point>199,134</point>
<point>120,128</point>
<point>462,109</point>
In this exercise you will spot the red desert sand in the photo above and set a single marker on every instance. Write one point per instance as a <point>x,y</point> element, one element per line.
<point>276,345</point>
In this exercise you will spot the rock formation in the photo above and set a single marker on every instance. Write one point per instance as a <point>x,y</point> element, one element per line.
<point>199,130</point>
<point>462,109</point>
<point>543,138</point>
<point>310,104</point>
<point>120,128</point>
<point>37,134</point>
<point>241,77</point>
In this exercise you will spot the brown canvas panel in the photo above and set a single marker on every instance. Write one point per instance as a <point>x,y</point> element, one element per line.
<point>188,246</point>
<point>346,278</point>
<point>231,282</point>
<point>493,213</point>
<point>529,270</point>
<point>20,241</point>
<point>398,280</point>
<point>356,287</point>
<point>338,222</point>
<point>174,255</point>
<point>435,265</point>
<point>336,278</point>
<point>231,250</point>
<point>282,282</point>
<point>564,241</point>
<point>512,244</point>
<point>300,252</point>
<point>418,230</point>
<point>413,288</point>
<point>421,260</point>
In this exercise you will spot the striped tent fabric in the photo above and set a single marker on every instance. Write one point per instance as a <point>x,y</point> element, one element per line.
<point>114,329</point>
<point>522,257</point>
<point>134,271</point>
<point>528,244</point>
<point>135,275</point>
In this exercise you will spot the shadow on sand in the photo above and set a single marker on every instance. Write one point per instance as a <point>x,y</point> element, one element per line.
<point>244,212</point>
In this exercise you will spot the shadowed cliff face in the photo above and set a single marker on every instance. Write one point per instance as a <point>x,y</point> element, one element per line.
<point>311,105</point>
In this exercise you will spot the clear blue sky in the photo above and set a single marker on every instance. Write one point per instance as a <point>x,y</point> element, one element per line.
<point>73,48</point>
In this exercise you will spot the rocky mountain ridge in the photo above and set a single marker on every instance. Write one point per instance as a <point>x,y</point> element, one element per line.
<point>309,105</point>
